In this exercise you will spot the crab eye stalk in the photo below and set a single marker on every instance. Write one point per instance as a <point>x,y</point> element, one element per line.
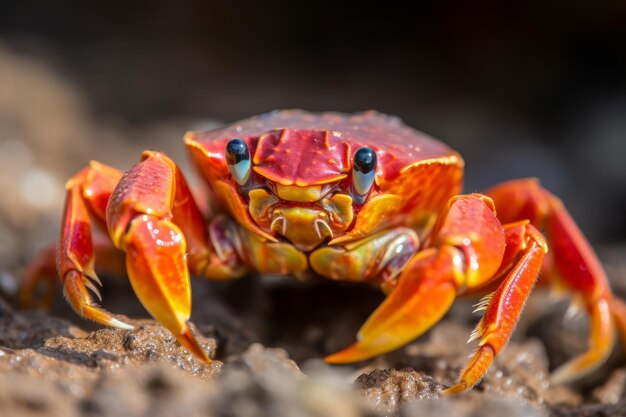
<point>363,172</point>
<point>238,159</point>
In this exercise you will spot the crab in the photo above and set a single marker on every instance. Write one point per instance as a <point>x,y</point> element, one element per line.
<point>359,198</point>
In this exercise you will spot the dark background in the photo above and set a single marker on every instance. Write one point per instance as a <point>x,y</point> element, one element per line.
<point>539,90</point>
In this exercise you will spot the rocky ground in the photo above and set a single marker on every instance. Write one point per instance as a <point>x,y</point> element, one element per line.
<point>267,335</point>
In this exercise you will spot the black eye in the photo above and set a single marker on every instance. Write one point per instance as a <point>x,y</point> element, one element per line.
<point>363,171</point>
<point>238,159</point>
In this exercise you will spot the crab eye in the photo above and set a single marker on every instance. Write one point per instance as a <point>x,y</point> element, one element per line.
<point>363,171</point>
<point>238,159</point>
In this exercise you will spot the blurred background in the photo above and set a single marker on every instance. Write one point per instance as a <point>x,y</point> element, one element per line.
<point>536,91</point>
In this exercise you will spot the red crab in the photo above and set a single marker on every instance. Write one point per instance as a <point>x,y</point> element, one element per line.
<point>348,197</point>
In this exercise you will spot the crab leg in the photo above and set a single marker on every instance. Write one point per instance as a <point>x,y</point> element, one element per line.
<point>43,272</point>
<point>572,264</point>
<point>520,267</point>
<point>465,252</point>
<point>39,273</point>
<point>87,194</point>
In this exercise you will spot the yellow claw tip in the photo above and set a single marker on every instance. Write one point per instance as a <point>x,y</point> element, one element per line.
<point>189,341</point>
<point>454,389</point>
<point>350,354</point>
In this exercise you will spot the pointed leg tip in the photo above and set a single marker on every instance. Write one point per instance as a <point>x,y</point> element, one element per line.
<point>351,354</point>
<point>189,341</point>
<point>567,373</point>
<point>558,379</point>
<point>113,322</point>
<point>99,315</point>
<point>454,389</point>
<point>578,368</point>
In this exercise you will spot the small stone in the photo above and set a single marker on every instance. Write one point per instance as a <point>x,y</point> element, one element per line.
<point>261,360</point>
<point>612,391</point>
<point>386,390</point>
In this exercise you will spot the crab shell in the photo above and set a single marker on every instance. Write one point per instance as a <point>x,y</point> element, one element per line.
<point>303,159</point>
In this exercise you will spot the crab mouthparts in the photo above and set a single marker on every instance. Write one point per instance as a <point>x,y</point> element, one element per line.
<point>305,228</point>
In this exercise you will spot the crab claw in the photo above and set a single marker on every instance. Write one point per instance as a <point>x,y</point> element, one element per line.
<point>465,250</point>
<point>424,294</point>
<point>156,266</point>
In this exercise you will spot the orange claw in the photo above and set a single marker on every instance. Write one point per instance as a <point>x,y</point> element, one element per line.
<point>138,209</point>
<point>155,260</point>
<point>140,222</point>
<point>424,294</point>
<point>465,243</point>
